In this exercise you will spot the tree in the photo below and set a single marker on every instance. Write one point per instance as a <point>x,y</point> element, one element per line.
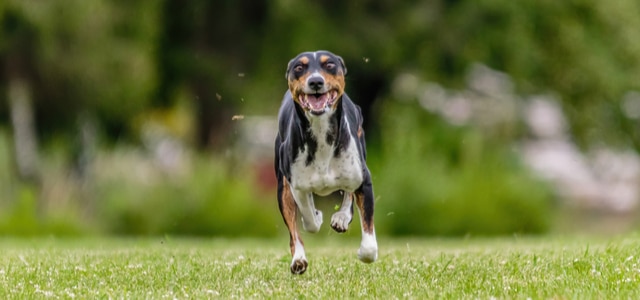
<point>207,46</point>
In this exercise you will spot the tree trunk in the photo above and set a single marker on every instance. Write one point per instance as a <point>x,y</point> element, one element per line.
<point>24,133</point>
<point>84,153</point>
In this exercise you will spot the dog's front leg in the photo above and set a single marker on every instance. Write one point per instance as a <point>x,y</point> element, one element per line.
<point>289,213</point>
<point>342,218</point>
<point>311,217</point>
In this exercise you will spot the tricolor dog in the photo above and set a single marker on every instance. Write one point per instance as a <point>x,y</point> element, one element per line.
<point>320,149</point>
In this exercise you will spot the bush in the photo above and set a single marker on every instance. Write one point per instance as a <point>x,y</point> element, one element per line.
<point>209,200</point>
<point>436,179</point>
<point>22,217</point>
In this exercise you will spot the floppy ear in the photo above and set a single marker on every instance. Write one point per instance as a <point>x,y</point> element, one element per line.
<point>344,68</point>
<point>286,75</point>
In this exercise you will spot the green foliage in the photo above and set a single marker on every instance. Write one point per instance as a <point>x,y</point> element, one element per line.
<point>117,61</point>
<point>129,194</point>
<point>114,58</point>
<point>21,212</point>
<point>23,217</point>
<point>510,268</point>
<point>436,179</point>
<point>586,51</point>
<point>5,162</point>
<point>210,200</point>
<point>92,56</point>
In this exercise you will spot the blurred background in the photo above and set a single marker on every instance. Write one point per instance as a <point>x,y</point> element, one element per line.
<point>483,117</point>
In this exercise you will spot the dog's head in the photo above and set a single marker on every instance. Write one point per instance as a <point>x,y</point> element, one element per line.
<point>316,81</point>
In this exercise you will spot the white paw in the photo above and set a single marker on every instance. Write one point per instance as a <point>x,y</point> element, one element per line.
<point>368,254</point>
<point>368,251</point>
<point>340,221</point>
<point>314,224</point>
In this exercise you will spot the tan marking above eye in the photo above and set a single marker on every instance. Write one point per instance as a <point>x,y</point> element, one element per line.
<point>304,60</point>
<point>324,58</point>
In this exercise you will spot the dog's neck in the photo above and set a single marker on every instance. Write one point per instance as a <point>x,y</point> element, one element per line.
<point>325,126</point>
<point>319,132</point>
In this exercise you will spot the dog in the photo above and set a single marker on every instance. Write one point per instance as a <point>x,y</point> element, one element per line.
<point>320,149</point>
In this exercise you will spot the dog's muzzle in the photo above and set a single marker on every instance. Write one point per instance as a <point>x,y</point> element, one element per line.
<point>318,104</point>
<point>316,98</point>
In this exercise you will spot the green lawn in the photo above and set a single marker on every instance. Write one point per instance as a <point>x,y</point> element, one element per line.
<point>537,268</point>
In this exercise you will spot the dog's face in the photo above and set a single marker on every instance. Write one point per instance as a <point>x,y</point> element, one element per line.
<point>316,81</point>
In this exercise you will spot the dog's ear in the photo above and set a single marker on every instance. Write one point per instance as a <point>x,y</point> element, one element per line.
<point>344,67</point>
<point>286,75</point>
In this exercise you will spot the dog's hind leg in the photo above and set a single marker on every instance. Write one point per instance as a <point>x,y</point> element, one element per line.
<point>368,251</point>
<point>342,218</point>
<point>288,210</point>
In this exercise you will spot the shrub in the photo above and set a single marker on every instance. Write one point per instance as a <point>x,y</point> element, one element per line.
<point>22,217</point>
<point>210,200</point>
<point>436,179</point>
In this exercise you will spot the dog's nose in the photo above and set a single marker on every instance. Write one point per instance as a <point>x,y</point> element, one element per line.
<point>316,83</point>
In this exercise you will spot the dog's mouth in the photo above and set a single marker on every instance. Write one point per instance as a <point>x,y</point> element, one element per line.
<point>318,104</point>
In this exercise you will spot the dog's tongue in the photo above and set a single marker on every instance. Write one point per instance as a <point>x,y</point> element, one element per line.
<point>318,101</point>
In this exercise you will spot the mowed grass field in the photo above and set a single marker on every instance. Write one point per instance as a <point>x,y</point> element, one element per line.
<point>175,268</point>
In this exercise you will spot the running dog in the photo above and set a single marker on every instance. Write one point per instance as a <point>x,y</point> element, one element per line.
<point>320,149</point>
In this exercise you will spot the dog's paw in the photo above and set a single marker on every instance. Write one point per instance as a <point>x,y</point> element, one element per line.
<point>368,251</point>
<point>367,255</point>
<point>299,266</point>
<point>340,221</point>
<point>314,224</point>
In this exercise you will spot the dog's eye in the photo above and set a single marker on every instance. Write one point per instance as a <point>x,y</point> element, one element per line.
<point>330,66</point>
<point>298,68</point>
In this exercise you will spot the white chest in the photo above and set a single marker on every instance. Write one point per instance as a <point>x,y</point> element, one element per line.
<point>327,173</point>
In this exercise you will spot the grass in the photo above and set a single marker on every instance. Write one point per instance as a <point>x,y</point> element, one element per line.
<point>158,268</point>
